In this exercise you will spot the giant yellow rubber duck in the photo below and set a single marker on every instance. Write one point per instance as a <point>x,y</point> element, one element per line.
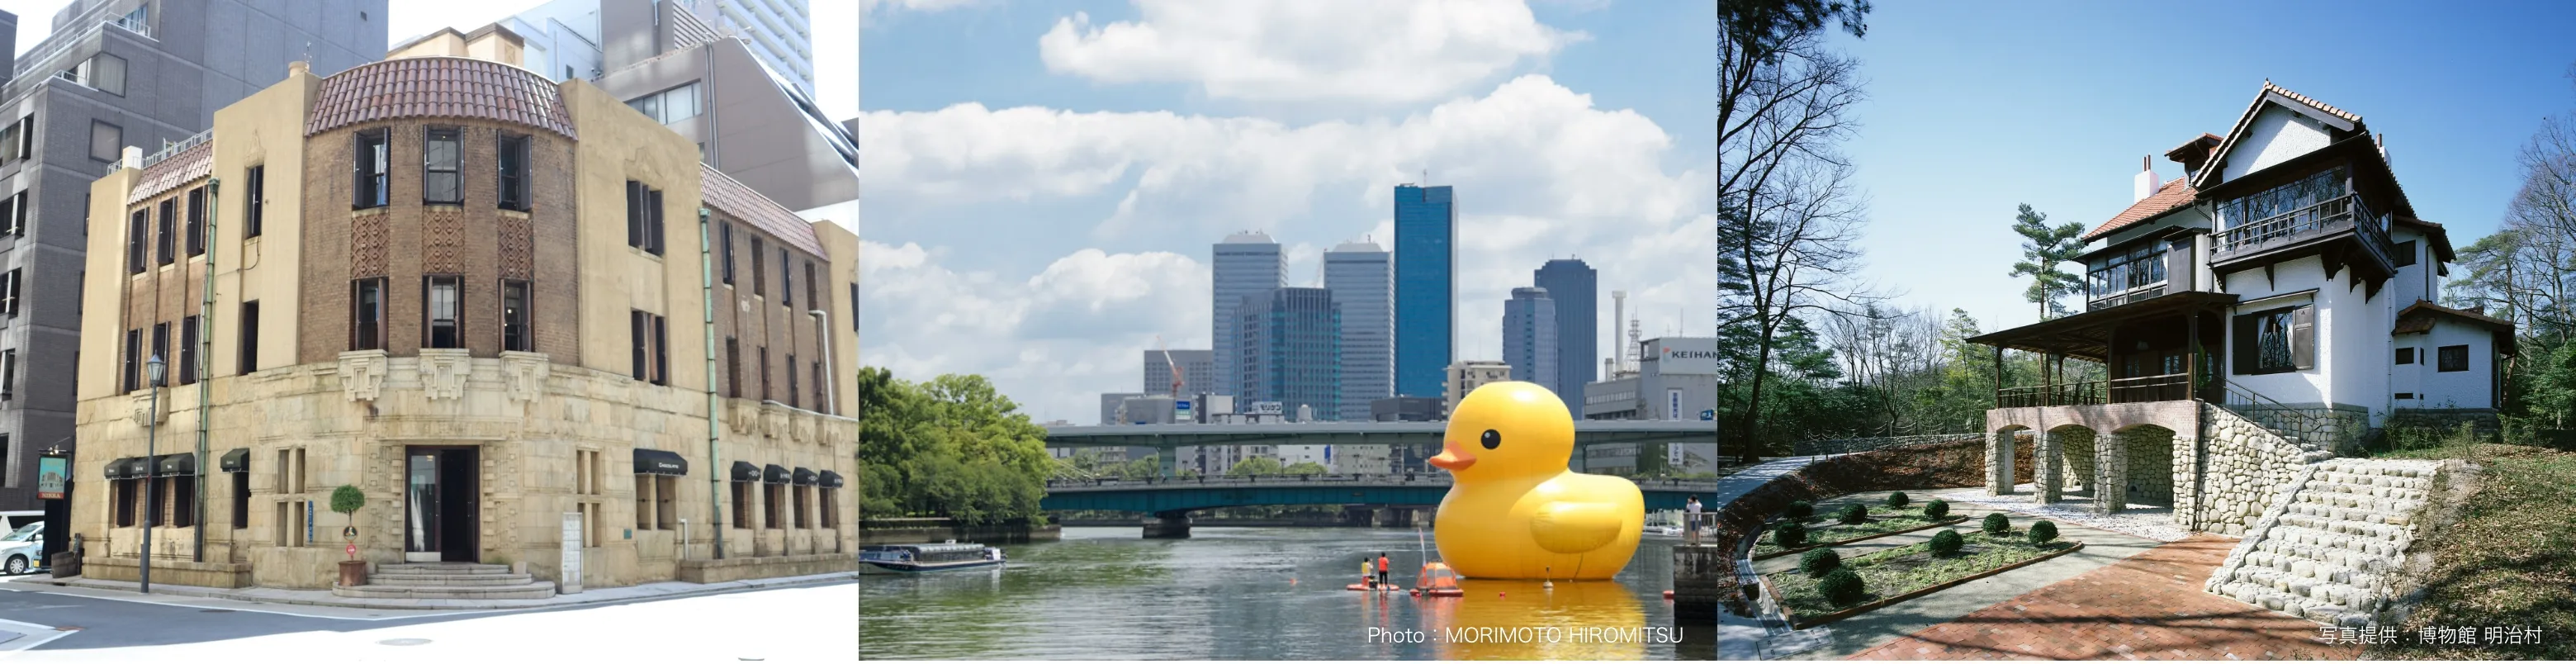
<point>1515,511</point>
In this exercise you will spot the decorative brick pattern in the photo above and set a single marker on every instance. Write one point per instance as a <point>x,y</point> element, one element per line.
<point>442,241</point>
<point>366,245</point>
<point>518,249</point>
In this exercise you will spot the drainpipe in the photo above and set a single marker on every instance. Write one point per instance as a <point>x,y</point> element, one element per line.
<point>715,469</point>
<point>206,359</point>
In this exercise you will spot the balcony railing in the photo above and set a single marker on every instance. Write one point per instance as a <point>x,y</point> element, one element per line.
<point>2125,297</point>
<point>2312,221</point>
<point>2085,393</point>
<point>2139,389</point>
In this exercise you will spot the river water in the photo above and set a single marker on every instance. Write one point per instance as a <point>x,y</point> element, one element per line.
<point>1261,593</point>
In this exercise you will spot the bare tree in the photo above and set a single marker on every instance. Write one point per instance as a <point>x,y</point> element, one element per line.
<point>1896,355</point>
<point>1786,214</point>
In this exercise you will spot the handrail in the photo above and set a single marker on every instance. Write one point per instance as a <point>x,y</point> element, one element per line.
<point>172,148</point>
<point>2314,219</point>
<point>2304,425</point>
<point>2080,393</point>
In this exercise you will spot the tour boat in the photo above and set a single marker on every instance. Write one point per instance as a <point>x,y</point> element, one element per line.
<point>916,558</point>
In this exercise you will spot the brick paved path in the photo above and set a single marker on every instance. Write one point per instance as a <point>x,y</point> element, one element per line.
<point>2149,606</point>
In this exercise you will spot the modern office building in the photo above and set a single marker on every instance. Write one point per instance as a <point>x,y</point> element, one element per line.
<point>1362,278</point>
<point>1576,288</point>
<point>1246,265</point>
<point>1294,338</point>
<point>1405,409</point>
<point>531,329</point>
<point>1198,371</point>
<point>1529,338</point>
<point>116,73</point>
<point>1114,403</point>
<point>1460,379</point>
<point>566,40</point>
<point>1674,379</point>
<point>1426,287</point>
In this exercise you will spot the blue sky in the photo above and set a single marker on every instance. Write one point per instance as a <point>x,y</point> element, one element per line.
<point>1045,178</point>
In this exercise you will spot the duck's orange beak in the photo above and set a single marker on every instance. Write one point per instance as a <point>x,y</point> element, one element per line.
<point>1451,458</point>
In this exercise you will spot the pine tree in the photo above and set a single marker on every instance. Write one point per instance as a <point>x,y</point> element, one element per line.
<point>2047,247</point>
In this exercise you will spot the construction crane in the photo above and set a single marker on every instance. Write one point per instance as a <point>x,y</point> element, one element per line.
<point>1167,362</point>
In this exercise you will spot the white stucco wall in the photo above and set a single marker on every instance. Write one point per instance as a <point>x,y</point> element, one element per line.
<point>2276,135</point>
<point>2457,389</point>
<point>2353,349</point>
<point>2409,378</point>
<point>2412,282</point>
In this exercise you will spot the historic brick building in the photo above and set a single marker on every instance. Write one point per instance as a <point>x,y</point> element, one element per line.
<point>514,313</point>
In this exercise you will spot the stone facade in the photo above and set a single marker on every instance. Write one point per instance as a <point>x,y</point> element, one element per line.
<point>2249,467</point>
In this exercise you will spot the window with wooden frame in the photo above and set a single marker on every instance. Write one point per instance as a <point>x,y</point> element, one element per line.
<point>517,333</point>
<point>442,311</point>
<point>2276,341</point>
<point>440,154</point>
<point>2403,253</point>
<point>369,167</point>
<point>197,222</point>
<point>367,314</point>
<point>168,244</point>
<point>742,504</point>
<point>254,200</point>
<point>2451,358</point>
<point>138,241</point>
<point>773,495</point>
<point>513,172</point>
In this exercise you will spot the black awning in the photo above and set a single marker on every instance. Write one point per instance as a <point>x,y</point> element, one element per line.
<point>236,461</point>
<point>773,474</point>
<point>658,462</point>
<point>829,480</point>
<point>175,465</point>
<point>125,468</point>
<point>802,477</point>
<point>743,471</point>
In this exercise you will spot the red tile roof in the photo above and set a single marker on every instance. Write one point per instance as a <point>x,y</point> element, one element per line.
<point>439,87</point>
<point>2418,318</point>
<point>740,200</point>
<point>189,166</point>
<point>2174,194</point>
<point>2285,92</point>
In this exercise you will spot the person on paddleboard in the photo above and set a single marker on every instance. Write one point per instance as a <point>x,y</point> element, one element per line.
<point>1368,577</point>
<point>1381,568</point>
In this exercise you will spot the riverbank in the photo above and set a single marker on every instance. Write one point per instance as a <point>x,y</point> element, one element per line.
<point>932,531</point>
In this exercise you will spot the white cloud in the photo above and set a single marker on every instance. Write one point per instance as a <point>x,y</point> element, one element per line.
<point>1292,50</point>
<point>913,5</point>
<point>1539,173</point>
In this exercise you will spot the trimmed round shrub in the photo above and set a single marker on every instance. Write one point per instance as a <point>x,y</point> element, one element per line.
<point>1799,510</point>
<point>1789,535</point>
<point>1841,587</point>
<point>1947,542</point>
<point>2041,532</point>
<point>1936,509</point>
<point>1898,499</point>
<point>1820,562</point>
<point>1996,524</point>
<point>1853,514</point>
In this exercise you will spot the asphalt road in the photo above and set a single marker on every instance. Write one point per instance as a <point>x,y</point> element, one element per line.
<point>800,623</point>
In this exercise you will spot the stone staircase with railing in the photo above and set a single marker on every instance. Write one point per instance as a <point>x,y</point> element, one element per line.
<point>2330,548</point>
<point>473,581</point>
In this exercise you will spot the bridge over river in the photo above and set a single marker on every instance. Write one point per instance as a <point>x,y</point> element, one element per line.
<point>1171,500</point>
<point>1169,436</point>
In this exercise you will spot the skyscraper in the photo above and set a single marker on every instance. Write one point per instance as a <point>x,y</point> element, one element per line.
<point>566,38</point>
<point>1247,264</point>
<point>1576,290</point>
<point>1529,338</point>
<point>1363,284</point>
<point>1295,359</point>
<point>1426,287</point>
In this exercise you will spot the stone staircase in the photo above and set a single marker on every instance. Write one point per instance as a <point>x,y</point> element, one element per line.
<point>2330,549</point>
<point>447,581</point>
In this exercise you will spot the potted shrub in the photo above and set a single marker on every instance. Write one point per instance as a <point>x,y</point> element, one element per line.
<point>347,500</point>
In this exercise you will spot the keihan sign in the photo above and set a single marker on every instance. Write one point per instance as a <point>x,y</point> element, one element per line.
<point>1686,357</point>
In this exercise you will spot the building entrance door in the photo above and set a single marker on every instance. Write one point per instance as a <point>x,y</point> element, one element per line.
<point>440,487</point>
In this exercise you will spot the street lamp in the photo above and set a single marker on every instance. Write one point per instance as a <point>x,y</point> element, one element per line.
<point>154,369</point>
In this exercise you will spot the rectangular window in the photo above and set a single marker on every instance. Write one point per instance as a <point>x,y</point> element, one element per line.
<point>644,513</point>
<point>733,367</point>
<point>786,278</point>
<point>254,201</point>
<point>161,348</point>
<point>106,141</point>
<point>822,403</point>
<point>515,332</point>
<point>668,106</point>
<point>661,351</point>
<point>771,496</point>
<point>831,508</point>
<point>653,235</point>
<point>187,368</point>
<point>439,156</point>
<point>168,244</point>
<point>2451,358</point>
<point>241,500</point>
<point>2276,341</point>
<point>367,311</point>
<point>2404,253</point>
<point>759,269</point>
<point>728,254</point>
<point>791,382</point>
<point>9,142</point>
<point>854,307</point>
<point>444,307</point>
<point>26,143</point>
<point>764,373</point>
<point>666,502</point>
<point>107,74</point>
<point>249,355</point>
<point>133,360</point>
<point>138,240</point>
<point>183,501</point>
<point>10,285</point>
<point>652,354</point>
<point>2405,356</point>
<point>18,214</point>
<point>813,293</point>
<point>514,172</point>
<point>741,504</point>
<point>370,164</point>
<point>197,222</point>
<point>638,324</point>
<point>9,219</point>
<point>643,217</point>
<point>2405,395</point>
<point>125,499</point>
<point>8,373</point>
<point>804,515</point>
<point>2284,199</point>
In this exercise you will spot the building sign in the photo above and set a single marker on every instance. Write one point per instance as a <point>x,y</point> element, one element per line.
<point>50,473</point>
<point>1708,416</point>
<point>1673,407</point>
<point>1673,454</point>
<point>1686,357</point>
<point>1268,408</point>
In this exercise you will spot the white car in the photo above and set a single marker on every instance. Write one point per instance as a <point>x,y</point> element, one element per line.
<point>20,549</point>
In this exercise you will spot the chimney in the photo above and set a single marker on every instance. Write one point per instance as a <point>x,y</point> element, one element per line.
<point>2147,182</point>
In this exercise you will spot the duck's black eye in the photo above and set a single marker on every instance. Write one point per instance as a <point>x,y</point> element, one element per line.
<point>1492,439</point>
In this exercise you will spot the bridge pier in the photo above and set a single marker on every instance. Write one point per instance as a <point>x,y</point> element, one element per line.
<point>1175,525</point>
<point>1395,517</point>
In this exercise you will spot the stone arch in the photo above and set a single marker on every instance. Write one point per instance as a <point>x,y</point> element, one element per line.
<point>2147,464</point>
<point>2006,455</point>
<point>2066,452</point>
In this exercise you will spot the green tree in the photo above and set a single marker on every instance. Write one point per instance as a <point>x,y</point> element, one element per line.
<point>2043,249</point>
<point>1303,468</point>
<point>951,447</point>
<point>1150,466</point>
<point>1255,466</point>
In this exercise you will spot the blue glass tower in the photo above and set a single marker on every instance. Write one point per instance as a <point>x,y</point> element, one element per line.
<point>1576,290</point>
<point>1295,341</point>
<point>1426,287</point>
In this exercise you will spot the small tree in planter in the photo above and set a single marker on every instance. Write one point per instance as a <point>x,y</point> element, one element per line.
<point>347,500</point>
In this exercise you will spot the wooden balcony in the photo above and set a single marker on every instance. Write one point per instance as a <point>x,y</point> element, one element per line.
<point>2139,389</point>
<point>2306,230</point>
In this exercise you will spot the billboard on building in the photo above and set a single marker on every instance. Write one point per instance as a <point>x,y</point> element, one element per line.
<point>1686,356</point>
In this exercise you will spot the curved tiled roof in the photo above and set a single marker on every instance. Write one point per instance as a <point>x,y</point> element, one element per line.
<point>2174,194</point>
<point>740,200</point>
<point>439,87</point>
<point>188,166</point>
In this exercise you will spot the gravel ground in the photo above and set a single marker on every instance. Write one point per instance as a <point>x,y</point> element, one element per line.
<point>2156,527</point>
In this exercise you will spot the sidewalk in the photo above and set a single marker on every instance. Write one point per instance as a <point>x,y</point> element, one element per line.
<point>127,590</point>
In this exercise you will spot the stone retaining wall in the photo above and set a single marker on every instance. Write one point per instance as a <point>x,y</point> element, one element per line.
<point>737,569</point>
<point>2249,468</point>
<point>176,572</point>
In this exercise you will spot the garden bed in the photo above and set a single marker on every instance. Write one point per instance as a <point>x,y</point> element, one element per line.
<point>1765,550</point>
<point>1907,572</point>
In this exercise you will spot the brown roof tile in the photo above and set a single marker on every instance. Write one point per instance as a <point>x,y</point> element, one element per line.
<point>445,87</point>
<point>192,165</point>
<point>740,200</point>
<point>2174,194</point>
